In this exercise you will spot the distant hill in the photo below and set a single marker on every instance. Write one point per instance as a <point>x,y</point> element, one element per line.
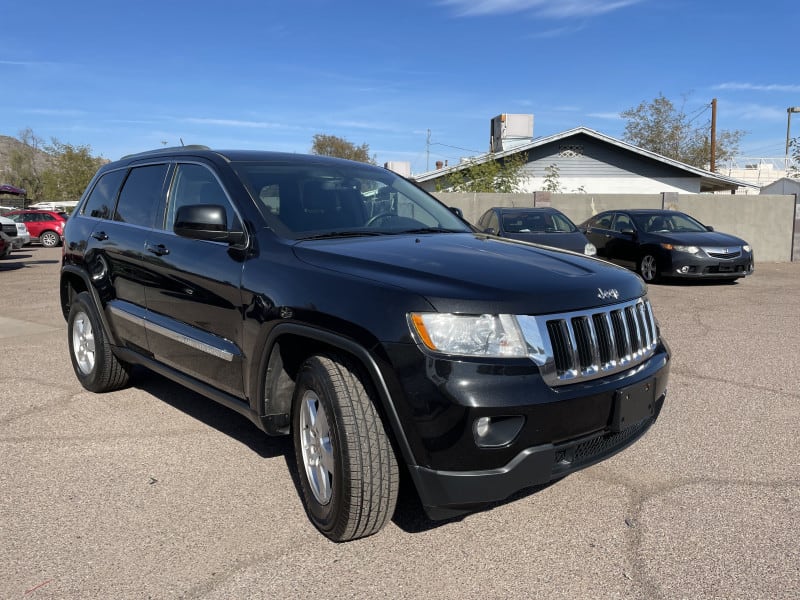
<point>7,145</point>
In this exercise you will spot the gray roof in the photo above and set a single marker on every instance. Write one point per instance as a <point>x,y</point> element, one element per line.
<point>709,180</point>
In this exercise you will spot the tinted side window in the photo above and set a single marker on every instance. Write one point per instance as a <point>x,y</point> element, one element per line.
<point>101,200</point>
<point>622,223</point>
<point>140,196</point>
<point>604,222</point>
<point>195,184</point>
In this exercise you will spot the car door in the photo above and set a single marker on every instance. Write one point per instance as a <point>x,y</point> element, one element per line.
<point>115,230</point>
<point>621,246</point>
<point>194,298</point>
<point>598,233</point>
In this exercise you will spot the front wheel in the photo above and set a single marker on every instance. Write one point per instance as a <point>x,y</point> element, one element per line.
<point>348,471</point>
<point>50,239</point>
<point>94,364</point>
<point>648,268</point>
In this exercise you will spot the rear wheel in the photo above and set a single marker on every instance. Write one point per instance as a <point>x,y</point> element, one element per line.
<point>348,472</point>
<point>50,239</point>
<point>94,364</point>
<point>648,268</point>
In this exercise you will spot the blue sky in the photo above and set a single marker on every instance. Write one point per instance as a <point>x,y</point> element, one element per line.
<point>128,76</point>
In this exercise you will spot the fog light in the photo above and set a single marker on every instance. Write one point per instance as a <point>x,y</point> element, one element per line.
<point>683,270</point>
<point>493,432</point>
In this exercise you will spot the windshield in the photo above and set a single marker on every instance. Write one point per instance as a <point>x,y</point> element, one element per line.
<point>672,222</point>
<point>537,222</point>
<point>308,200</point>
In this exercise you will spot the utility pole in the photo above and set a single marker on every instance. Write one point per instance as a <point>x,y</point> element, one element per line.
<point>714,135</point>
<point>428,152</point>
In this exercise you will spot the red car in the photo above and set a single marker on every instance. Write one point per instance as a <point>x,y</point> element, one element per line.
<point>45,226</point>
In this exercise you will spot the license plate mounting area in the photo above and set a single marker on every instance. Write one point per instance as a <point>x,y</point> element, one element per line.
<point>633,404</point>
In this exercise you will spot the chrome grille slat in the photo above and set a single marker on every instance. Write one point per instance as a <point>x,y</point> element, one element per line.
<point>584,345</point>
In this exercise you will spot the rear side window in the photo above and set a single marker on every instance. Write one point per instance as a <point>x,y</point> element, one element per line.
<point>140,198</point>
<point>100,203</point>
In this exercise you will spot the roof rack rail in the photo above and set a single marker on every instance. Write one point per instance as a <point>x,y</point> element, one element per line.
<point>168,149</point>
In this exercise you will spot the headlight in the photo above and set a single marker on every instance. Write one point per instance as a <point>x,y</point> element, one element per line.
<point>589,249</point>
<point>469,335</point>
<point>747,248</point>
<point>689,249</point>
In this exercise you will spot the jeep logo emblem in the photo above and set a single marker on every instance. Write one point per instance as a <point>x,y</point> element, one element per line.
<point>605,294</point>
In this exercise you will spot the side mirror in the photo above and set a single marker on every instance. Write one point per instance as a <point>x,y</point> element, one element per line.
<point>629,233</point>
<point>709,228</point>
<point>205,222</point>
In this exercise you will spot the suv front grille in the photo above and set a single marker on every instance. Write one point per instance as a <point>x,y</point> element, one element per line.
<point>588,344</point>
<point>10,229</point>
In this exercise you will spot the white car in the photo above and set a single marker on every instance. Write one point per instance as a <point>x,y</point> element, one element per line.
<point>23,237</point>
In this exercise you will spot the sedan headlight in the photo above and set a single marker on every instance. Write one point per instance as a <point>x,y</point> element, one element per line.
<point>589,249</point>
<point>469,335</point>
<point>747,248</point>
<point>689,249</point>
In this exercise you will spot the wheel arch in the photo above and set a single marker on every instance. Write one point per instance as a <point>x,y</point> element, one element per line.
<point>286,348</point>
<point>73,281</point>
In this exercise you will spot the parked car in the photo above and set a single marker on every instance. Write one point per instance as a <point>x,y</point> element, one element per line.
<point>546,226</point>
<point>17,234</point>
<point>337,302</point>
<point>667,243</point>
<point>45,226</point>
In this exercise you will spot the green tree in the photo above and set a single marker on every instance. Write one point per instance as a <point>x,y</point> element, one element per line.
<point>25,164</point>
<point>551,177</point>
<point>331,145</point>
<point>660,127</point>
<point>794,166</point>
<point>72,169</point>
<point>501,175</point>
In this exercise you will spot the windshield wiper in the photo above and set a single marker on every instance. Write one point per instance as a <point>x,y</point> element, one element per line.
<point>431,230</point>
<point>340,234</point>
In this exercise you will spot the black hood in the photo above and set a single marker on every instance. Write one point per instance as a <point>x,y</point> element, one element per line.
<point>697,238</point>
<point>477,274</point>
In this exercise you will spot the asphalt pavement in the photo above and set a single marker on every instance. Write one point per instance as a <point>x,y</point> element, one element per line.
<point>156,492</point>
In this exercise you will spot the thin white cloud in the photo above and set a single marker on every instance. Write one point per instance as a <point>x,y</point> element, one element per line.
<point>544,8</point>
<point>757,87</point>
<point>55,112</point>
<point>234,123</point>
<point>605,115</point>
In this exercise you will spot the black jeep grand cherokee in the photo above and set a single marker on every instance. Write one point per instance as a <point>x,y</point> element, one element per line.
<point>338,302</point>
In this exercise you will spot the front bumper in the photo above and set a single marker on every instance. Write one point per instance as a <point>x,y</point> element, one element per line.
<point>449,494</point>
<point>691,266</point>
<point>563,429</point>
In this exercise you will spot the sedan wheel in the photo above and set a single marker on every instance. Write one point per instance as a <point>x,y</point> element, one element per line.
<point>648,268</point>
<point>50,239</point>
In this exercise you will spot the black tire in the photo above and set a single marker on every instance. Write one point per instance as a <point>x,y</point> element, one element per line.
<point>648,268</point>
<point>346,465</point>
<point>6,252</point>
<point>94,364</point>
<point>49,239</point>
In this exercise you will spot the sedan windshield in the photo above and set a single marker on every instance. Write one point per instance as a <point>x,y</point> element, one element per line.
<point>315,201</point>
<point>536,222</point>
<point>669,222</point>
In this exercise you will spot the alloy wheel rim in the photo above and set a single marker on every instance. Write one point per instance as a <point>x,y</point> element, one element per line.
<point>83,346</point>
<point>648,268</point>
<point>316,447</point>
<point>49,239</point>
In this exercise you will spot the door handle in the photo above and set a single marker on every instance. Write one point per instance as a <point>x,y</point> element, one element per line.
<point>157,249</point>
<point>100,236</point>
